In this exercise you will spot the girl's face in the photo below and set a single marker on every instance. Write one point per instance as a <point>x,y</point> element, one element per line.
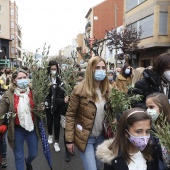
<point>140,128</point>
<point>151,105</point>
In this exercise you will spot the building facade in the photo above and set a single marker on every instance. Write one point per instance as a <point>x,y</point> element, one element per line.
<point>107,15</point>
<point>10,32</point>
<point>104,16</point>
<point>154,18</point>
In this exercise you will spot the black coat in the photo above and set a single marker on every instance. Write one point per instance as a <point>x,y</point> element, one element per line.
<point>149,84</point>
<point>55,98</point>
<point>119,164</point>
<point>113,162</point>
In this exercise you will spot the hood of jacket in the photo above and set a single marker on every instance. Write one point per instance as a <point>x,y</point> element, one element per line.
<point>151,76</point>
<point>104,154</point>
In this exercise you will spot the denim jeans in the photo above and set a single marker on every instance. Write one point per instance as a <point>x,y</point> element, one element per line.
<point>31,139</point>
<point>90,161</point>
<point>4,149</point>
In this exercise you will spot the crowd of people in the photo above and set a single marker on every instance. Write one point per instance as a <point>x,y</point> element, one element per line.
<point>82,113</point>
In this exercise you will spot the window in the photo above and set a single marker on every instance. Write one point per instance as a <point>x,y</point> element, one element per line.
<point>163,23</point>
<point>147,26</point>
<point>145,63</point>
<point>95,18</point>
<point>12,12</point>
<point>12,24</point>
<point>130,4</point>
<point>12,36</point>
<point>12,50</point>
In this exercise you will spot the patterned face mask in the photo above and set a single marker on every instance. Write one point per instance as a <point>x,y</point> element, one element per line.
<point>140,142</point>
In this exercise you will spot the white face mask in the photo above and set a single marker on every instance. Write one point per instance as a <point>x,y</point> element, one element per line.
<point>53,72</point>
<point>153,113</point>
<point>110,78</point>
<point>166,74</point>
<point>127,71</point>
<point>117,73</point>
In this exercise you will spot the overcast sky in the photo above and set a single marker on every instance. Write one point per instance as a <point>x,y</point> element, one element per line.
<point>55,22</point>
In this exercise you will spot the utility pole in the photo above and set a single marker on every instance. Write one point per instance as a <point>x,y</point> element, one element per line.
<point>116,31</point>
<point>115,16</point>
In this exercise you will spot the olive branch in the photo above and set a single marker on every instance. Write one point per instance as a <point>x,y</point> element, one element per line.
<point>40,80</point>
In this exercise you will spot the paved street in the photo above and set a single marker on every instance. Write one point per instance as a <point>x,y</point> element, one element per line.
<point>58,159</point>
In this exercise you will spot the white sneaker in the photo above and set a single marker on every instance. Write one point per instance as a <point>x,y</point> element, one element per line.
<point>50,139</point>
<point>56,147</point>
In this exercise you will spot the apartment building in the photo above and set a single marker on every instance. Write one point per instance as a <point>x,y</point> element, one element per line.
<point>104,16</point>
<point>4,33</point>
<point>154,18</point>
<point>15,35</point>
<point>10,32</point>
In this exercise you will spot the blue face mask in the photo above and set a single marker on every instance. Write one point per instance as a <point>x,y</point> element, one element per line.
<point>99,75</point>
<point>127,71</point>
<point>22,83</point>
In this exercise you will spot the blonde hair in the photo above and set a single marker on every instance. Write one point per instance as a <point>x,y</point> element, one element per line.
<point>90,81</point>
<point>138,74</point>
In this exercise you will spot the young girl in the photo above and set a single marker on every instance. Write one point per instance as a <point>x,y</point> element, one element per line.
<point>158,103</point>
<point>130,149</point>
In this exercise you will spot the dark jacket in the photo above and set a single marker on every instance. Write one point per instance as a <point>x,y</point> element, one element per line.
<point>55,98</point>
<point>158,153</point>
<point>149,84</point>
<point>117,162</point>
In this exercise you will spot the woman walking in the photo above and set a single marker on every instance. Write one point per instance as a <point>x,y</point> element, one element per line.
<point>53,104</point>
<point>23,124</point>
<point>85,113</point>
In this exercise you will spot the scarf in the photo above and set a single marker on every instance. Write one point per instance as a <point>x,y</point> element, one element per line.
<point>24,110</point>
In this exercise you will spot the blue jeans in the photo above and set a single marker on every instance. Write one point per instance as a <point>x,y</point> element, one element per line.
<point>4,149</point>
<point>31,139</point>
<point>90,161</point>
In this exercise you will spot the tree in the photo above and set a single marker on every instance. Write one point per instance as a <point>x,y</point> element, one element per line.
<point>127,39</point>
